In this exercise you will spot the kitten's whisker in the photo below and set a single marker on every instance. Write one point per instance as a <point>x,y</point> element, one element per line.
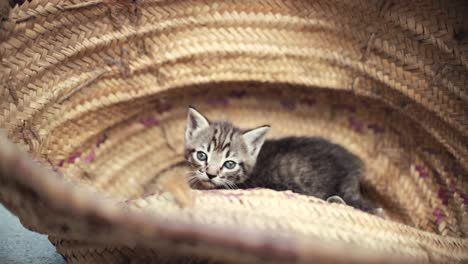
<point>192,180</point>
<point>232,184</point>
<point>224,184</point>
<point>191,173</point>
<point>191,177</point>
<point>228,185</point>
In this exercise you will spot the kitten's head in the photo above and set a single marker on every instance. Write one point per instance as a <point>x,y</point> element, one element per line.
<point>221,154</point>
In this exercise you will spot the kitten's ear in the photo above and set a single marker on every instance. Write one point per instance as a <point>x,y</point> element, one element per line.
<point>195,122</point>
<point>254,139</point>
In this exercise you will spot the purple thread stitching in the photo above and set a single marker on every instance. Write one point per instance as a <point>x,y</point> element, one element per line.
<point>439,219</point>
<point>91,157</point>
<point>73,157</point>
<point>439,215</point>
<point>421,171</point>
<point>149,121</point>
<point>443,195</point>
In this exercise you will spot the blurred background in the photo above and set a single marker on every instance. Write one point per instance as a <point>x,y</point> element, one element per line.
<point>20,246</point>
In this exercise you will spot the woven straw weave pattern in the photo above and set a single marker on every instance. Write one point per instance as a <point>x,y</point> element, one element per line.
<point>97,91</point>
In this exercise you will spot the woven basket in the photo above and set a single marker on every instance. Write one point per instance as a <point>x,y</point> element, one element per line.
<point>97,92</point>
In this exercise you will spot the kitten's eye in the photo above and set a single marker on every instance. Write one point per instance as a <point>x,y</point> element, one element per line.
<point>201,156</point>
<point>230,164</point>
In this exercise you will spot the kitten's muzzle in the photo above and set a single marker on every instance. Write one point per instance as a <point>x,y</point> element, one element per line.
<point>210,176</point>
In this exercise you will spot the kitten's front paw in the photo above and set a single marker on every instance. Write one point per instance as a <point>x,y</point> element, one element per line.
<point>335,199</point>
<point>378,212</point>
<point>178,186</point>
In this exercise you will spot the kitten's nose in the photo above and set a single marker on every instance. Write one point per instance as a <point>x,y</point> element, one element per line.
<point>210,176</point>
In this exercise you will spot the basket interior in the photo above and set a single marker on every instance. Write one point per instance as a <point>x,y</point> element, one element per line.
<point>121,150</point>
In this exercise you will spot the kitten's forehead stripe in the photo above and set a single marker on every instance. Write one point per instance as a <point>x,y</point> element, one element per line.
<point>224,138</point>
<point>220,139</point>
<point>214,142</point>
<point>226,146</point>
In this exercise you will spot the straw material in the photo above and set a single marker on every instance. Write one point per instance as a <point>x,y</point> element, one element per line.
<point>97,93</point>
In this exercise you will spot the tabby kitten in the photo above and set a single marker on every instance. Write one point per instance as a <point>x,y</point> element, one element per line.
<point>224,156</point>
